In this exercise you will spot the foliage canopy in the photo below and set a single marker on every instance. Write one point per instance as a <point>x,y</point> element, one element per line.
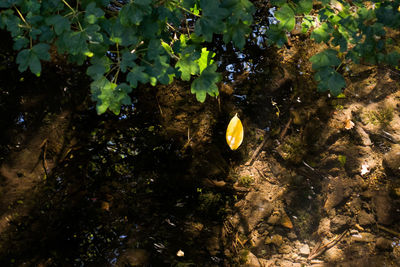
<point>127,42</point>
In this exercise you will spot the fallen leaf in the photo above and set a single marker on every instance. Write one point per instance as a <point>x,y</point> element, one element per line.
<point>285,221</point>
<point>348,124</point>
<point>234,133</point>
<point>364,168</point>
<point>180,253</point>
<point>105,206</point>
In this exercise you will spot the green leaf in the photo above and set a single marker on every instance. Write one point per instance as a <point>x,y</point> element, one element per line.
<point>240,11</point>
<point>238,22</point>
<point>123,35</point>
<point>34,65</point>
<point>93,34</point>
<point>42,51</point>
<point>206,83</point>
<point>339,39</point>
<point>278,2</point>
<point>20,42</point>
<point>392,58</point>
<point>100,65</point>
<point>134,12</point>
<point>307,23</point>
<point>276,36</point>
<point>73,42</point>
<point>188,66</point>
<point>161,70</point>
<point>286,18</point>
<point>12,23</point>
<point>304,7</point>
<point>93,13</point>
<point>211,20</point>
<point>322,33</point>
<point>31,58</point>
<point>128,60</point>
<point>325,58</point>
<point>150,27</point>
<point>389,15</point>
<point>23,59</point>
<point>155,49</point>
<point>205,59</point>
<point>237,33</point>
<point>331,80</point>
<point>192,63</point>
<point>59,23</point>
<point>109,96</point>
<point>137,74</point>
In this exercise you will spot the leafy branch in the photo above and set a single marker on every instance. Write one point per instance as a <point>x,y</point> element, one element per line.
<point>356,29</point>
<point>134,43</point>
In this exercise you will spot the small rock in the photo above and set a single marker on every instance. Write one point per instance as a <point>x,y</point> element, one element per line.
<point>365,218</point>
<point>277,240</point>
<point>252,261</point>
<point>133,257</point>
<point>383,243</point>
<point>365,140</point>
<point>285,249</point>
<point>383,208</point>
<point>324,227</point>
<point>334,254</point>
<point>363,237</point>
<point>339,222</point>
<point>292,236</point>
<point>396,252</point>
<point>391,161</point>
<point>304,250</point>
<point>286,263</point>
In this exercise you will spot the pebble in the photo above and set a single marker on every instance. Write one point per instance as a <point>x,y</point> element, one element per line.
<point>391,161</point>
<point>285,249</point>
<point>383,208</point>
<point>334,254</point>
<point>277,240</point>
<point>304,250</point>
<point>339,223</point>
<point>134,257</point>
<point>365,218</point>
<point>383,243</point>
<point>292,236</point>
<point>252,261</point>
<point>363,237</point>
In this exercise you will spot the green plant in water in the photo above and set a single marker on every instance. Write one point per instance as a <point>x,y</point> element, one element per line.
<point>246,180</point>
<point>293,149</point>
<point>243,255</point>
<point>125,43</point>
<point>131,42</point>
<point>382,116</point>
<point>342,160</point>
<point>354,31</point>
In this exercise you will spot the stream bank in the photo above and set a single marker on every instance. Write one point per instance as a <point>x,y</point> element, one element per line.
<point>158,186</point>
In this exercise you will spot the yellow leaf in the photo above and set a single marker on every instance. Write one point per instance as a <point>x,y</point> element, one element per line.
<point>234,133</point>
<point>286,222</point>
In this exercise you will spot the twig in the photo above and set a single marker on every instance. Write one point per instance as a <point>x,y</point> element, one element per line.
<point>256,152</point>
<point>314,170</point>
<point>389,137</point>
<point>389,230</point>
<point>284,131</point>
<point>318,250</point>
<point>43,146</point>
<point>159,107</point>
<point>265,177</point>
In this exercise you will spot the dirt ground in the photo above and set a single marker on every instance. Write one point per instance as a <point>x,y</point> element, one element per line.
<point>315,182</point>
<point>324,191</point>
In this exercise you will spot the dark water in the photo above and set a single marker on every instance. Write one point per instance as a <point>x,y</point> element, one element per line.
<point>126,183</point>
